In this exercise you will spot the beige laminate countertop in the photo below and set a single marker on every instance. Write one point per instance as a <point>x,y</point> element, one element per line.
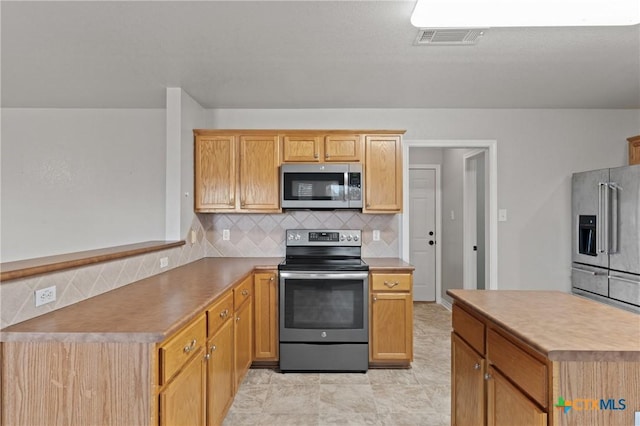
<point>148,310</point>
<point>380,264</point>
<point>561,326</point>
<point>152,309</point>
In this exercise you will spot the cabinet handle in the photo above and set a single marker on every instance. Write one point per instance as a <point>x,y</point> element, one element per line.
<point>326,155</point>
<point>190,347</point>
<point>232,199</point>
<point>476,366</point>
<point>375,298</point>
<point>368,205</point>
<point>391,284</point>
<point>271,279</point>
<point>207,356</point>
<point>315,155</point>
<point>224,313</point>
<point>237,319</point>
<point>212,348</point>
<point>487,376</point>
<point>245,292</point>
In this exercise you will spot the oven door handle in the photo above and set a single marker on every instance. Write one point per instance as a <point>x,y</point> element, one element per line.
<point>324,276</point>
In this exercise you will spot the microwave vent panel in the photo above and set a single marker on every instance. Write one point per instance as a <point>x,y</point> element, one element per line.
<point>449,36</point>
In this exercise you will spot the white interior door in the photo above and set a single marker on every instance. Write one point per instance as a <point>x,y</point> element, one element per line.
<point>423,238</point>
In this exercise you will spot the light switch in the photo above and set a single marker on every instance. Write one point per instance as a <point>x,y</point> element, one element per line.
<point>376,235</point>
<point>502,215</point>
<point>226,235</point>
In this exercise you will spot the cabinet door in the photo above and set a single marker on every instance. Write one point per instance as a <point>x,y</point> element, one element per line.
<point>243,341</point>
<point>342,148</point>
<point>301,149</point>
<point>508,406</point>
<point>266,317</point>
<point>391,327</point>
<point>383,174</point>
<point>467,384</point>
<point>215,173</point>
<point>182,402</point>
<point>220,374</point>
<point>259,177</point>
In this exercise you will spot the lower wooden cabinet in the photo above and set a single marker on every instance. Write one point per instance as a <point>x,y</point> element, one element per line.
<point>467,384</point>
<point>243,341</point>
<point>391,319</point>
<point>508,406</point>
<point>266,317</point>
<point>220,374</point>
<point>182,401</point>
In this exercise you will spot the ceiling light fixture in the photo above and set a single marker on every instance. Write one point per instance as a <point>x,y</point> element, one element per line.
<point>524,13</point>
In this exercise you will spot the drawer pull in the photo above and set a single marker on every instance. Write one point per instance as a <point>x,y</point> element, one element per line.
<point>190,347</point>
<point>487,376</point>
<point>224,313</point>
<point>212,348</point>
<point>207,357</point>
<point>245,292</point>
<point>391,284</point>
<point>476,366</point>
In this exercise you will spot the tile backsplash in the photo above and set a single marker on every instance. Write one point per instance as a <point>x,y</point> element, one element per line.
<point>264,234</point>
<point>250,235</point>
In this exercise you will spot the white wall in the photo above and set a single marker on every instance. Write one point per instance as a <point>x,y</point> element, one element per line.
<point>80,179</point>
<point>537,152</point>
<point>452,238</point>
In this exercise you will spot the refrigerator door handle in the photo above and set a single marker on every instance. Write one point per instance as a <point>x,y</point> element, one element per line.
<point>626,280</point>
<point>612,223</point>
<point>599,219</point>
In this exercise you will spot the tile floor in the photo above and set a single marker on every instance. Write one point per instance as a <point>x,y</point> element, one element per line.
<point>417,396</point>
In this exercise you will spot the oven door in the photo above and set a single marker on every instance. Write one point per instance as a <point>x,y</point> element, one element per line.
<point>324,307</point>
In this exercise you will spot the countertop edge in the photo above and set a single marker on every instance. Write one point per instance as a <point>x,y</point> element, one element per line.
<point>568,355</point>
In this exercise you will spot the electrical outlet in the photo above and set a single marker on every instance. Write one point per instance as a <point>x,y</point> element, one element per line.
<point>45,295</point>
<point>376,235</point>
<point>226,235</point>
<point>164,262</point>
<point>193,236</point>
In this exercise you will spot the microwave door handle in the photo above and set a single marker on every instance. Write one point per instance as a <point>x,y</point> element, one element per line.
<point>346,185</point>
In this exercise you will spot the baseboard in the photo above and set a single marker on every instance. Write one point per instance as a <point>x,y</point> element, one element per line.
<point>446,304</point>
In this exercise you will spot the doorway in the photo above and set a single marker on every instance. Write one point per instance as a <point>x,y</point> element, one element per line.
<point>474,223</point>
<point>491,219</point>
<point>424,184</point>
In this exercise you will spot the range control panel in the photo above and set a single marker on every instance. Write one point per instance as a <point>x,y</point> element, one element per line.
<point>321,237</point>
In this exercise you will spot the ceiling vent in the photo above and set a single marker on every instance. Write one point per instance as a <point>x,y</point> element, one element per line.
<point>449,36</point>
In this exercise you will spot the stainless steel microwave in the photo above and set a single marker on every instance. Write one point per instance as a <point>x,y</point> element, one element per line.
<point>321,186</point>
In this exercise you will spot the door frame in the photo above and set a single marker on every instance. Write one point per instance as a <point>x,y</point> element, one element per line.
<point>492,147</point>
<point>469,190</point>
<point>438,220</point>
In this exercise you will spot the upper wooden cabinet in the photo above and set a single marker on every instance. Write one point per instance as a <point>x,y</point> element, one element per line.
<point>383,174</point>
<point>322,148</point>
<point>236,172</point>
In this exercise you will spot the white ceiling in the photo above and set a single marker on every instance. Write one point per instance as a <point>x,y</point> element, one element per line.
<point>299,54</point>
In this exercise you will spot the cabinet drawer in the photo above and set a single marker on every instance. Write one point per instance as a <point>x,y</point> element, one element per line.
<point>524,370</point>
<point>242,292</point>
<point>391,282</point>
<point>175,351</point>
<point>469,328</point>
<point>219,313</point>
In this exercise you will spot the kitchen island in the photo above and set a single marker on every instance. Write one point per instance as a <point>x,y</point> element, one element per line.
<point>542,358</point>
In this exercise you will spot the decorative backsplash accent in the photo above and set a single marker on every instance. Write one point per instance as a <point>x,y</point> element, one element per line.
<point>250,235</point>
<point>263,234</point>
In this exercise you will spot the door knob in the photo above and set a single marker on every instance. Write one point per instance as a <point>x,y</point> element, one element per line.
<point>431,242</point>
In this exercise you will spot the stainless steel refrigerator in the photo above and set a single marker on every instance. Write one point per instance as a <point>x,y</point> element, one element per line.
<point>606,236</point>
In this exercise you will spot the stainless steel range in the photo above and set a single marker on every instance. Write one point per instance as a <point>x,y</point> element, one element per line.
<point>324,313</point>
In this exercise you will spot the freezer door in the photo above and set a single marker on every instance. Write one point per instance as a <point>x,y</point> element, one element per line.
<point>625,288</point>
<point>587,278</point>
<point>625,219</point>
<point>587,200</point>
